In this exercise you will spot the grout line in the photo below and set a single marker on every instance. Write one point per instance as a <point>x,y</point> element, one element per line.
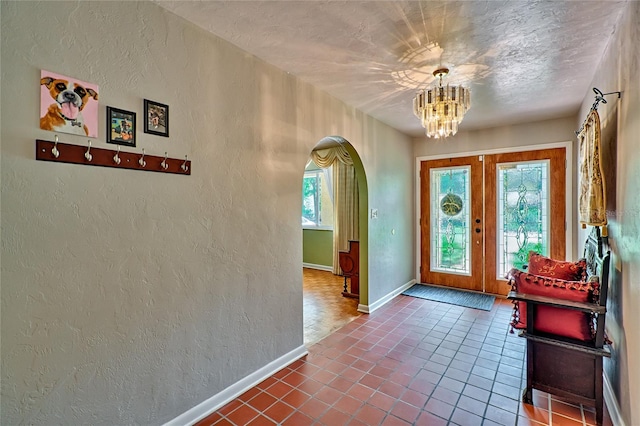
<point>384,331</point>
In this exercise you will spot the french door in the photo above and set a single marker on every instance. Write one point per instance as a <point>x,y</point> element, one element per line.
<point>450,207</point>
<point>480,216</point>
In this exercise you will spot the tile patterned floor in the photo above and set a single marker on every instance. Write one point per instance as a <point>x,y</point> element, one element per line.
<point>325,309</point>
<point>412,362</point>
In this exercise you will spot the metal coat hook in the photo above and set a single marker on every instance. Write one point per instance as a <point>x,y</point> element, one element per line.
<point>87,154</point>
<point>116,158</point>
<point>54,150</point>
<point>141,160</point>
<point>164,164</point>
<point>599,99</point>
<point>184,166</point>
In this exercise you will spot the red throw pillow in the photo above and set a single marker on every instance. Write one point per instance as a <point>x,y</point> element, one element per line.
<point>562,270</point>
<point>562,322</point>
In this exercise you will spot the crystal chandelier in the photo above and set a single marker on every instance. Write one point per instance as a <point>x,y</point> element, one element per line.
<point>441,108</point>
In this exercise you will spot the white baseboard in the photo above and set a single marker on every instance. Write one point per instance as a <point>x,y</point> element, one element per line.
<point>318,267</point>
<point>612,402</point>
<point>367,309</point>
<point>218,400</point>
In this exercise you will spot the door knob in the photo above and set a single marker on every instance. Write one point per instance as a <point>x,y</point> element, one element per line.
<point>478,230</point>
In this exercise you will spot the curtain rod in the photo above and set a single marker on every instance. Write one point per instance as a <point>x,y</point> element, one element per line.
<point>599,98</point>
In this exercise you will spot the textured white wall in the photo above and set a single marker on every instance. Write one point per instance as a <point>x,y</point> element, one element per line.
<point>525,134</point>
<point>620,124</point>
<point>130,297</point>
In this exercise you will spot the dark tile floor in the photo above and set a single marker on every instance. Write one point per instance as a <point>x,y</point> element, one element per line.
<point>412,362</point>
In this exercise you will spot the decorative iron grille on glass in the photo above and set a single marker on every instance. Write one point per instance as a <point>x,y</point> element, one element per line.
<point>441,108</point>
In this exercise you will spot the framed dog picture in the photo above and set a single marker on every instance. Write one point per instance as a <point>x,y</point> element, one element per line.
<point>156,118</point>
<point>121,127</point>
<point>68,105</point>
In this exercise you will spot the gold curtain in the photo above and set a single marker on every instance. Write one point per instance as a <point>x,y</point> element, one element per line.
<point>326,157</point>
<point>345,198</point>
<point>592,202</point>
<point>345,210</point>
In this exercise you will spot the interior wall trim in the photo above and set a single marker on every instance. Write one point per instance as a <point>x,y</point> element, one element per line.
<point>492,151</point>
<point>367,309</point>
<point>611,402</point>
<point>218,400</point>
<point>318,267</point>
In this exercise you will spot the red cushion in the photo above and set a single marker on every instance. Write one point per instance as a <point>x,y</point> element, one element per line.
<point>562,322</point>
<point>562,270</point>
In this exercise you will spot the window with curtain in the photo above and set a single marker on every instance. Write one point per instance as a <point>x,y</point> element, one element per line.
<point>341,191</point>
<point>317,208</point>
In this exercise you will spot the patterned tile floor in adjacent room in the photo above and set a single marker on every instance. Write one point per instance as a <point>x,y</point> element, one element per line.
<point>412,362</point>
<point>325,308</point>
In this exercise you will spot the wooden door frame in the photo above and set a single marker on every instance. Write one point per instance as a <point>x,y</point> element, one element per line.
<point>476,211</point>
<point>570,203</point>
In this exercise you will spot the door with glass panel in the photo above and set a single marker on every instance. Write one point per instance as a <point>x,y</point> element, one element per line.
<point>451,222</point>
<point>481,215</point>
<point>525,209</point>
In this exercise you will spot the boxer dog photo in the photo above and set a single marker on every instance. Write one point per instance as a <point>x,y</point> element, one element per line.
<point>68,105</point>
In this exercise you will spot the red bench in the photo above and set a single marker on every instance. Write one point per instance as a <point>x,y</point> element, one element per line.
<point>561,359</point>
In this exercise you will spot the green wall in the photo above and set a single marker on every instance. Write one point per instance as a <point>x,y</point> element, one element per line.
<point>317,247</point>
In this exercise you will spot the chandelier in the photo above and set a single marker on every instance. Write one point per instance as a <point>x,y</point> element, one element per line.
<point>441,108</point>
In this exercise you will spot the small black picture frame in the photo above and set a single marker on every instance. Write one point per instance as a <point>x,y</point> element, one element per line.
<point>156,118</point>
<point>121,127</point>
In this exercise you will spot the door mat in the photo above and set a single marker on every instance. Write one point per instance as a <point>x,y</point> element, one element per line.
<point>451,296</point>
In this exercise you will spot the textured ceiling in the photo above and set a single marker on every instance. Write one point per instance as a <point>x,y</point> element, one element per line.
<point>523,60</point>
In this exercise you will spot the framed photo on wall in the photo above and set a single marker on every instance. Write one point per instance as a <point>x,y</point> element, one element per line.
<point>121,127</point>
<point>156,120</point>
<point>68,105</point>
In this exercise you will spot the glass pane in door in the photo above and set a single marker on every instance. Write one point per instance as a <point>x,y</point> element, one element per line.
<point>450,224</point>
<point>523,213</point>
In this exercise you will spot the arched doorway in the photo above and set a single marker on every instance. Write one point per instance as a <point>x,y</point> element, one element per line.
<point>317,321</point>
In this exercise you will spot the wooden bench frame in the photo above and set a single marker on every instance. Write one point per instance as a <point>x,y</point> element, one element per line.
<point>571,369</point>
